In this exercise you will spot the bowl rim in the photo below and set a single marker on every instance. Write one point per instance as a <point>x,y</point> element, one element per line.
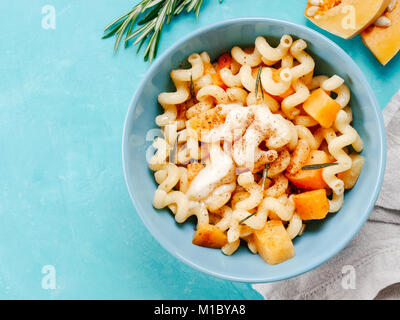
<point>341,243</point>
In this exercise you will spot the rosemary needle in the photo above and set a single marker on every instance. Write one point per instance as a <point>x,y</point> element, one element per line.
<point>174,151</point>
<point>192,92</point>
<point>319,166</point>
<point>148,29</point>
<point>248,217</point>
<point>264,176</point>
<point>259,83</point>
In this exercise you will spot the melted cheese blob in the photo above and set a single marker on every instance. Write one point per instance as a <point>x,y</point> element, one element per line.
<point>238,118</point>
<point>259,125</point>
<point>220,171</point>
<point>246,128</point>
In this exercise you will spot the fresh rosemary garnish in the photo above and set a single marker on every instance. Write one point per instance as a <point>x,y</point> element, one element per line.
<point>192,92</point>
<point>149,28</point>
<point>248,217</point>
<point>173,154</point>
<point>319,166</point>
<point>264,176</point>
<point>259,83</point>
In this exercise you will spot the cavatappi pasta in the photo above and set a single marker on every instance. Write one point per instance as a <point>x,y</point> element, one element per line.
<point>239,137</point>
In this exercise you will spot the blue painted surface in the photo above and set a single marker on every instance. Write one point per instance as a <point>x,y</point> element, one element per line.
<point>63,201</point>
<point>325,237</point>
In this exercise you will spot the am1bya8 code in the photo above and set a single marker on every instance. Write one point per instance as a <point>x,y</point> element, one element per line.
<point>221,309</point>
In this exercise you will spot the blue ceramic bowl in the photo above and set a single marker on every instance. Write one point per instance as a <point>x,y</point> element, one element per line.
<point>322,239</point>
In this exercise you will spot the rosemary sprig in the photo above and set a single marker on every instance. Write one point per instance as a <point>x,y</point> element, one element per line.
<point>319,166</point>
<point>259,83</point>
<point>248,217</point>
<point>149,28</point>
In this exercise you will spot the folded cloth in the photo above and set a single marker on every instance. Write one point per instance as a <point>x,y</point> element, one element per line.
<point>369,267</point>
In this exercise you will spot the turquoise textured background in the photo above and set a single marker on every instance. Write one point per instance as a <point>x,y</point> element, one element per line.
<point>63,200</point>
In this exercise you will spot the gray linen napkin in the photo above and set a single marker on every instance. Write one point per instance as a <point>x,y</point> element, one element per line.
<point>369,267</point>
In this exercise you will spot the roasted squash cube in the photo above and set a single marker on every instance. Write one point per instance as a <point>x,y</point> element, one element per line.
<point>322,108</point>
<point>273,242</point>
<point>209,236</point>
<point>312,205</point>
<point>310,179</point>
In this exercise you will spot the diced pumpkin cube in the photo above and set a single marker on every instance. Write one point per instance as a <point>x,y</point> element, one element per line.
<point>209,236</point>
<point>350,176</point>
<point>384,42</point>
<point>322,108</point>
<point>206,121</point>
<point>312,205</point>
<point>310,179</point>
<point>273,242</point>
<point>193,170</point>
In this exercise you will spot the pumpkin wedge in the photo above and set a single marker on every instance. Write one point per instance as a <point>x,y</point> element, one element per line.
<point>345,18</point>
<point>383,42</point>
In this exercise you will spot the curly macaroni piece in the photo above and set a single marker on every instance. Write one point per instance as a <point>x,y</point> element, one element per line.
<point>181,94</point>
<point>205,80</point>
<point>230,247</point>
<point>247,79</point>
<point>272,87</point>
<point>199,108</point>
<point>159,160</point>
<point>213,91</point>
<point>231,80</point>
<point>332,83</point>
<point>295,226</point>
<point>246,180</point>
<point>273,54</point>
<point>252,59</point>
<point>307,63</point>
<point>237,95</point>
<point>283,211</point>
<point>279,187</point>
<point>219,197</point>
<point>266,100</point>
<point>343,95</point>
<point>280,164</point>
<point>194,73</point>
<point>290,103</point>
<point>169,115</point>
<point>316,82</point>
<point>313,140</point>
<point>305,121</point>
